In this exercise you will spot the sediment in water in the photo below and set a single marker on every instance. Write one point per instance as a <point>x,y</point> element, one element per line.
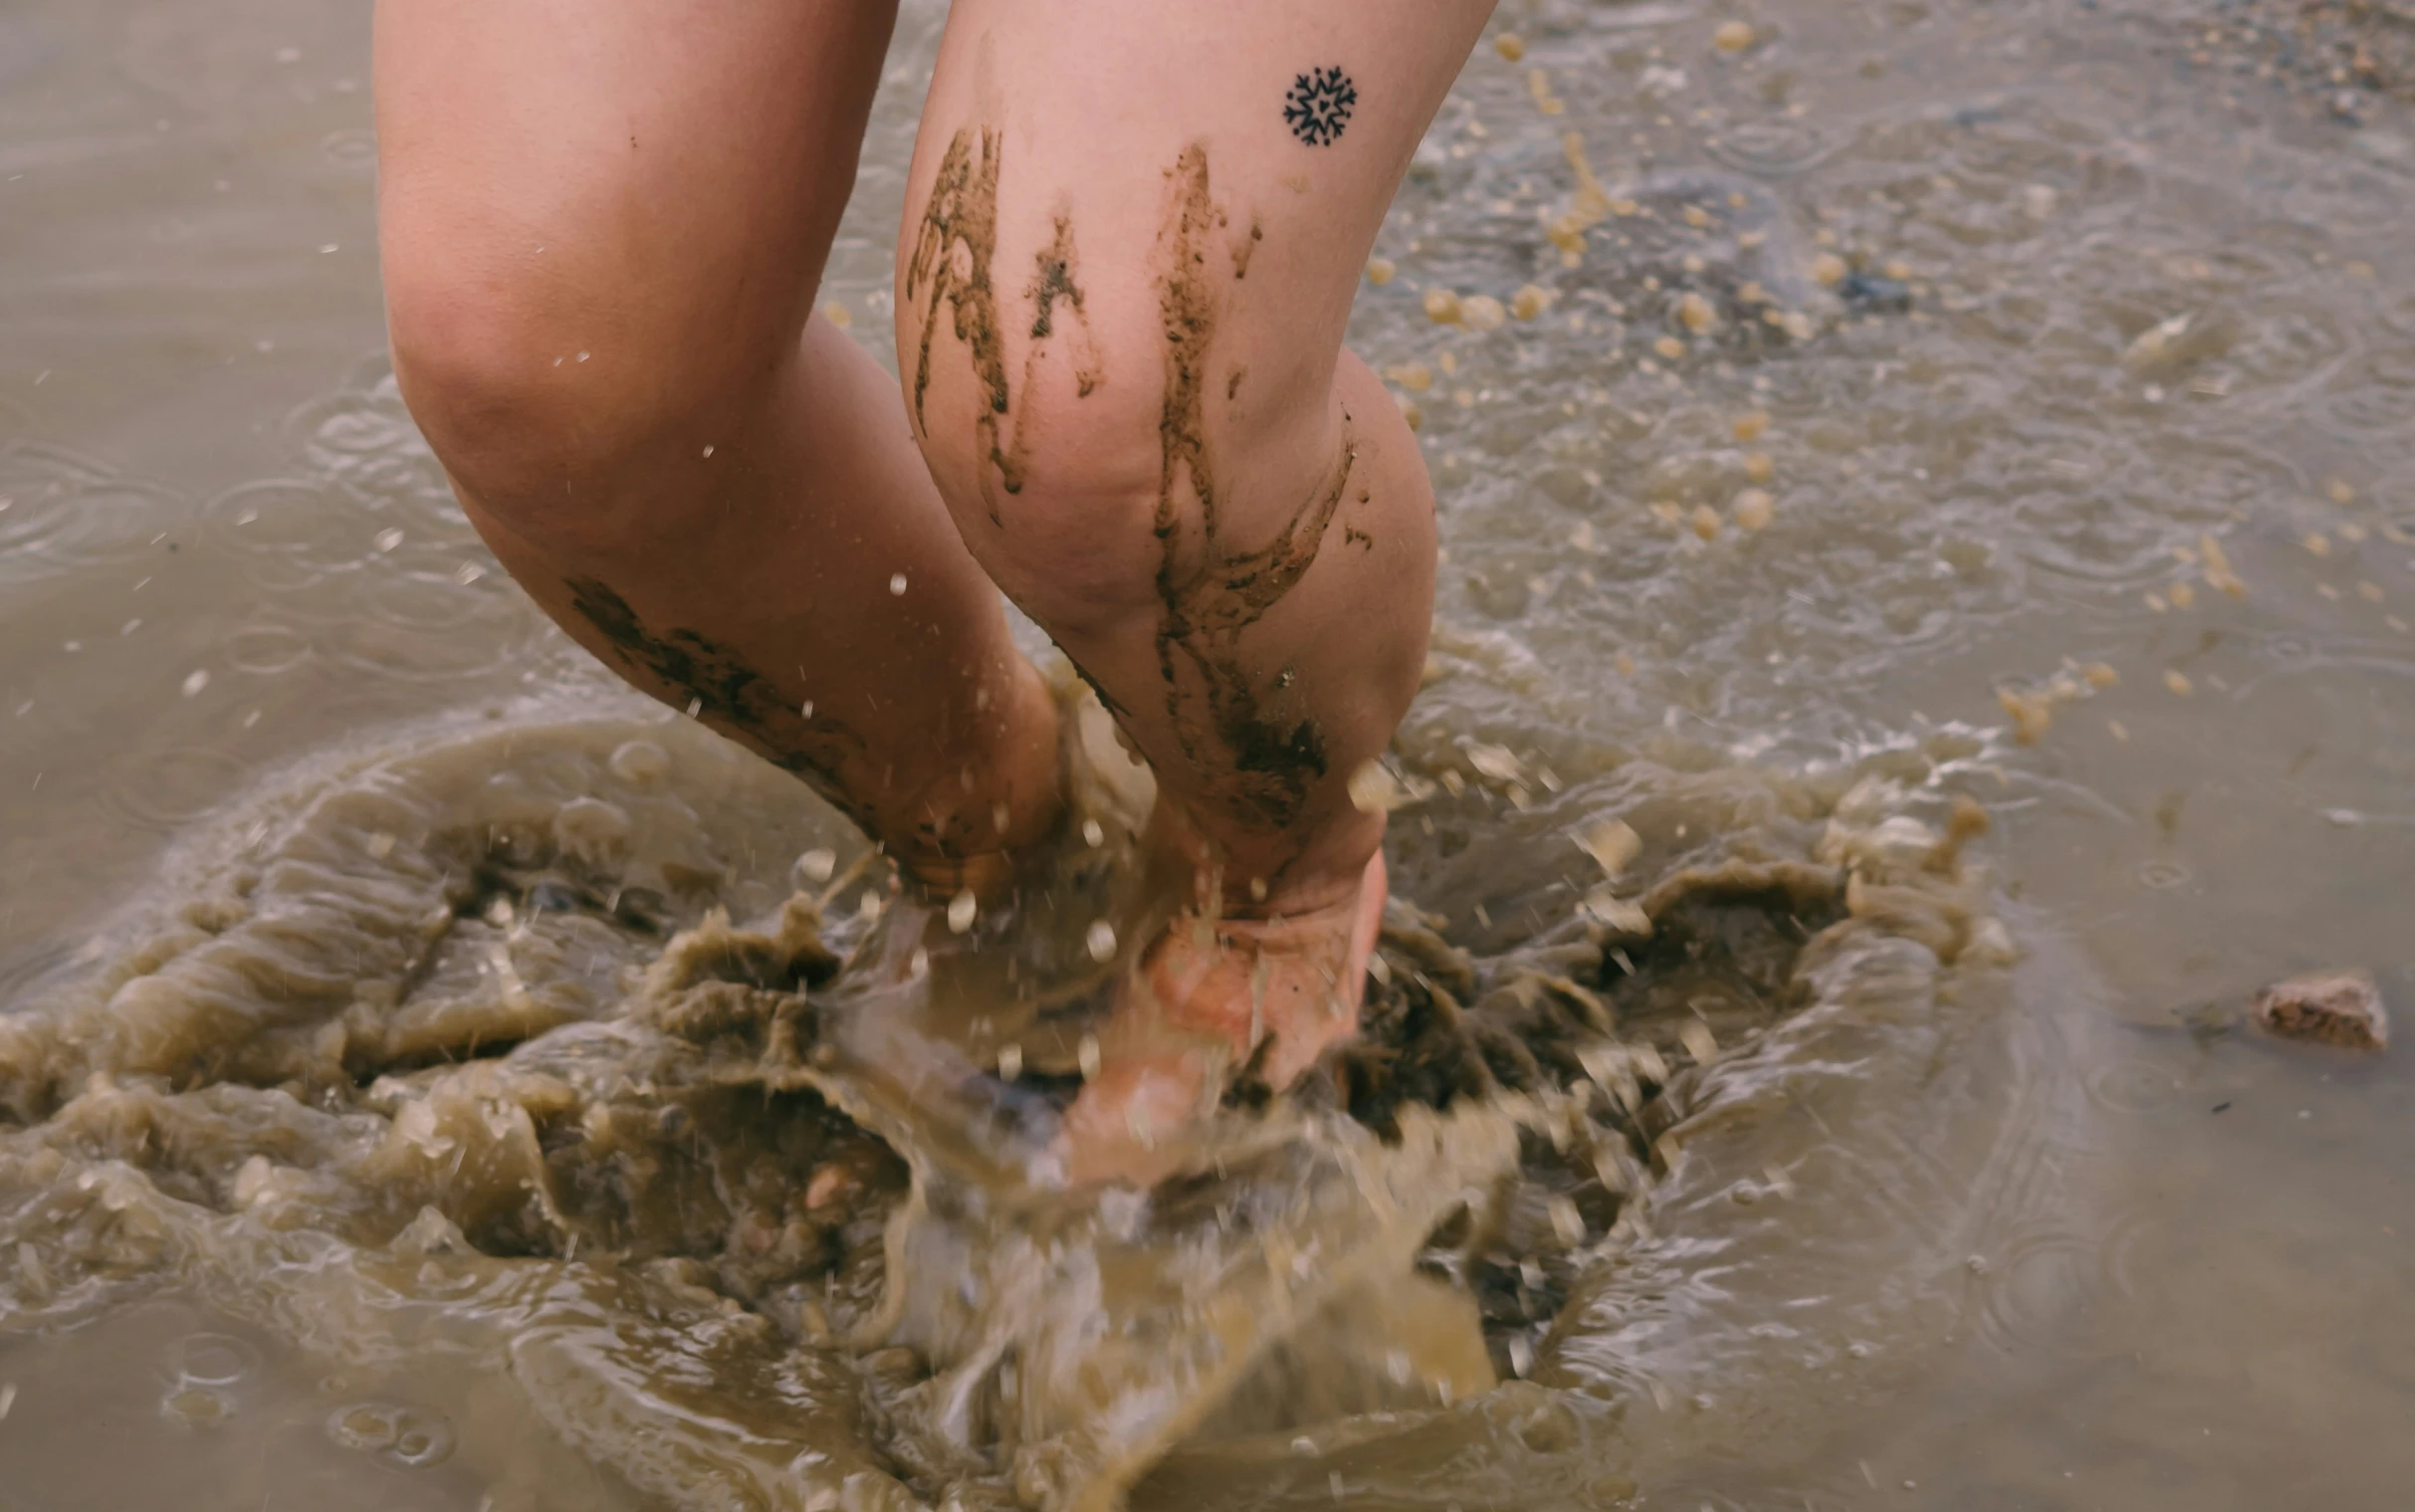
<point>520,1042</point>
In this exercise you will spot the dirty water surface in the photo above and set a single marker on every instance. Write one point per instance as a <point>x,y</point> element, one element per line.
<point>1928,499</point>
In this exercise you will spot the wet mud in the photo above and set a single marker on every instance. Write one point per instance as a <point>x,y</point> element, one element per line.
<point>1260,761</point>
<point>533,1038</point>
<point>954,247</point>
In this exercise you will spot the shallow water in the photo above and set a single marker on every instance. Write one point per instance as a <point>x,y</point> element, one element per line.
<point>2050,1234</point>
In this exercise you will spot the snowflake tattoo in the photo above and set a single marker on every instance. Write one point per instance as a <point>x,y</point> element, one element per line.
<point>1318,106</point>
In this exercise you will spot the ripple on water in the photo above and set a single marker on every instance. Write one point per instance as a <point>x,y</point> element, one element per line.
<point>266,650</point>
<point>2372,399</point>
<point>289,531</point>
<point>2055,1290</point>
<point>400,1435</point>
<point>168,788</point>
<point>60,510</point>
<point>213,1360</point>
<point>420,629</point>
<point>1775,148</point>
<point>351,147</point>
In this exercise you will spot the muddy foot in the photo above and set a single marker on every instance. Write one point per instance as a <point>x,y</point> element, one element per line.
<point>1204,998</point>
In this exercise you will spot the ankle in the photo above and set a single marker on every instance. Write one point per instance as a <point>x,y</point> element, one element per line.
<point>1322,873</point>
<point>998,792</point>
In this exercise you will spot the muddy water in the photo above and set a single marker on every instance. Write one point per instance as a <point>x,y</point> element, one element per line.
<point>389,1117</point>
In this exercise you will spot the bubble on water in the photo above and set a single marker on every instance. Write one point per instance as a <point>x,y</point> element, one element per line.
<point>196,681</point>
<point>1510,46</point>
<point>198,1407</point>
<point>1530,301</point>
<point>817,864</point>
<point>1748,428</point>
<point>2178,682</point>
<point>1705,522</point>
<point>2182,596</point>
<point>962,909</point>
<point>1733,37</point>
<point>1443,306</point>
<point>1753,507</point>
<point>1380,271</point>
<point>1696,313</point>
<point>1482,311</point>
<point>640,764</point>
<point>1101,941</point>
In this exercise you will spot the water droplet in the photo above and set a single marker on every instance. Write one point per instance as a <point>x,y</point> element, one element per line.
<point>197,680</point>
<point>1101,941</point>
<point>897,584</point>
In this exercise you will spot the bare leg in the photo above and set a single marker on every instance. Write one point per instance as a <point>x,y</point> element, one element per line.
<point>1121,305</point>
<point>603,224</point>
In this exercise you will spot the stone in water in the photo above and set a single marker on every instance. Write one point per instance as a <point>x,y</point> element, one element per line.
<point>2341,1008</point>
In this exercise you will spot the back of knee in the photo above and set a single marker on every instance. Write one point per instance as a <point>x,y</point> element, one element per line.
<point>550,408</point>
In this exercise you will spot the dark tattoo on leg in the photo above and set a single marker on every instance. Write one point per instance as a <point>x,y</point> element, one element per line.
<point>1319,106</point>
<point>1212,592</point>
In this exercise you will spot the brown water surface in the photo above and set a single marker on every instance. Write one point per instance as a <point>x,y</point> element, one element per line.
<point>418,1056</point>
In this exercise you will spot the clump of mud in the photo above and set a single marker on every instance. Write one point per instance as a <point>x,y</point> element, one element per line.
<point>541,1044</point>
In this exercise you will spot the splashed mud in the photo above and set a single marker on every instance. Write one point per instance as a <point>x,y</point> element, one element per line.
<point>520,1036</point>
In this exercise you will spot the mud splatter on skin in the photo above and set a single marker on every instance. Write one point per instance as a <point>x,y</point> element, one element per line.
<point>1057,277</point>
<point>1211,592</point>
<point>728,694</point>
<point>953,253</point>
<point>1243,250</point>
